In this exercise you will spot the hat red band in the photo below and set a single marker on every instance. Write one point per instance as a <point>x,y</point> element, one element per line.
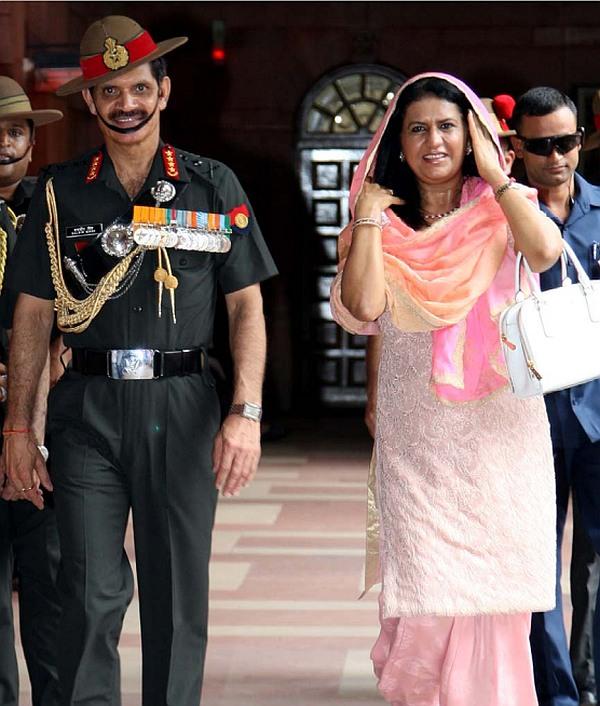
<point>138,48</point>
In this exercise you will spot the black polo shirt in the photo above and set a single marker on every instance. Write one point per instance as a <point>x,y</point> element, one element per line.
<point>89,199</point>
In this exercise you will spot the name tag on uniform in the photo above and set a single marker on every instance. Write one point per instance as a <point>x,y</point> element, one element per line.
<point>89,230</point>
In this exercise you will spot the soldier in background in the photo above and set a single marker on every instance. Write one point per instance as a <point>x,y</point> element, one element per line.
<point>28,538</point>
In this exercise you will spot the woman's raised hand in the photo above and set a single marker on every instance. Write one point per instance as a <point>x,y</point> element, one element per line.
<point>485,152</point>
<point>373,199</point>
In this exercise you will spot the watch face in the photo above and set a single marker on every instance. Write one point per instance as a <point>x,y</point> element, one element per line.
<point>252,411</point>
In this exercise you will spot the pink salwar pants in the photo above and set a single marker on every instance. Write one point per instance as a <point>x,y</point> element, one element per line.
<point>482,660</point>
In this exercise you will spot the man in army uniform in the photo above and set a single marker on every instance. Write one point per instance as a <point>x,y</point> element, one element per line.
<point>28,538</point>
<point>135,423</point>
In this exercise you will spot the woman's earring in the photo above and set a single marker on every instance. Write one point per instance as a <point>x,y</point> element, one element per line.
<point>401,156</point>
<point>469,149</point>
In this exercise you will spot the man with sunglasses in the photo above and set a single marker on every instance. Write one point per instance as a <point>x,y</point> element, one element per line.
<point>548,141</point>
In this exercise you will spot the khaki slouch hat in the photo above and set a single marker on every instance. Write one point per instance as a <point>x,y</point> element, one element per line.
<point>112,46</point>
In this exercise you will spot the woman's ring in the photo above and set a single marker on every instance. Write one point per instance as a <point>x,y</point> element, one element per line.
<point>26,490</point>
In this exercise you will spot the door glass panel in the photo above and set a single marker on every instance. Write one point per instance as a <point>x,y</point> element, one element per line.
<point>348,105</point>
<point>329,99</point>
<point>319,122</point>
<point>351,87</point>
<point>338,120</point>
<point>376,119</point>
<point>344,122</point>
<point>364,112</point>
<point>376,87</point>
<point>327,175</point>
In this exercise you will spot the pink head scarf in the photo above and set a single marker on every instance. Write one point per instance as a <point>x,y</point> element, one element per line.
<point>453,278</point>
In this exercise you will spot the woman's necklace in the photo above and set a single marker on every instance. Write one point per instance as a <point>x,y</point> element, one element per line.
<point>437,216</point>
<point>430,217</point>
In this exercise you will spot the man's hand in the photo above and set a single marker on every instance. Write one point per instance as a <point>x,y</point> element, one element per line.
<point>25,469</point>
<point>3,382</point>
<point>7,489</point>
<point>236,453</point>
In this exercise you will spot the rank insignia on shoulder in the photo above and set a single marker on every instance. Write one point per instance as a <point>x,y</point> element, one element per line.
<point>170,162</point>
<point>240,218</point>
<point>94,168</point>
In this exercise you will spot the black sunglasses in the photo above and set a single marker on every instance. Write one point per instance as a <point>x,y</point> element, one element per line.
<point>544,146</point>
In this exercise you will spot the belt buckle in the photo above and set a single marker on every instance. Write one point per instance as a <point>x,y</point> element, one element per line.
<point>131,364</point>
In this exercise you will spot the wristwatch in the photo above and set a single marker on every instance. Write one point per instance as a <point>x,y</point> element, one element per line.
<point>248,410</point>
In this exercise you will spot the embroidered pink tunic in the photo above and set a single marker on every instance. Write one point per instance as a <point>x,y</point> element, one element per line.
<point>465,492</point>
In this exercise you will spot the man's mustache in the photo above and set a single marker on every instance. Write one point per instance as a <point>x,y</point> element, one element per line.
<point>142,115</point>
<point>129,114</point>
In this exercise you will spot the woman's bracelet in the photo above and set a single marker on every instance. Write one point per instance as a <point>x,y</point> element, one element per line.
<point>503,188</point>
<point>367,222</point>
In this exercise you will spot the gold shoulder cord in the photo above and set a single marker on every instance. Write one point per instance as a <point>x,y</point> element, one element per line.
<point>75,315</point>
<point>4,244</point>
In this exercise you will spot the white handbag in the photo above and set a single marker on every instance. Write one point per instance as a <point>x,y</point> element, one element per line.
<point>551,339</point>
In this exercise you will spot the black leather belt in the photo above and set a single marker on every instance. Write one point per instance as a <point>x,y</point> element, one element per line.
<point>137,363</point>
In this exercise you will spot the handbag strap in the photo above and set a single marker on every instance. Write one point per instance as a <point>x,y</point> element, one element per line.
<point>522,264</point>
<point>566,255</point>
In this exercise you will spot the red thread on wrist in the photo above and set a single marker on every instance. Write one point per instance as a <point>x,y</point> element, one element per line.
<point>9,432</point>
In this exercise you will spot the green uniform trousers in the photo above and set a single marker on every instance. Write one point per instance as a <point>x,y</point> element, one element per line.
<point>29,551</point>
<point>142,446</point>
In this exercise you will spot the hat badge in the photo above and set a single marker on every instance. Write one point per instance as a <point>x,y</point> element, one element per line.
<point>116,55</point>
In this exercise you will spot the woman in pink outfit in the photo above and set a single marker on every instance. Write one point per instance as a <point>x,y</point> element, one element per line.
<point>465,480</point>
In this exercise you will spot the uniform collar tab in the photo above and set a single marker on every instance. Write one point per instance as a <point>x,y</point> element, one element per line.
<point>173,167</point>
<point>94,167</point>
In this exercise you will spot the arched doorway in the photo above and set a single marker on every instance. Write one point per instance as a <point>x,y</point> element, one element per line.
<point>338,118</point>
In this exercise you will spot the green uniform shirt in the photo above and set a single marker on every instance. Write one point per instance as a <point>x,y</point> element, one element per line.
<point>18,205</point>
<point>88,200</point>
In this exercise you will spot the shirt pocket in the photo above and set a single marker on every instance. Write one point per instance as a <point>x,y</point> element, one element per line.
<point>195,274</point>
<point>184,260</point>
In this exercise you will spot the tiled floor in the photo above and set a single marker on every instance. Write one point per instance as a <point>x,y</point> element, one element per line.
<point>286,627</point>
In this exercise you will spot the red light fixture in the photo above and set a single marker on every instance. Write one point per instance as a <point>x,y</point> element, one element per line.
<point>217,53</point>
